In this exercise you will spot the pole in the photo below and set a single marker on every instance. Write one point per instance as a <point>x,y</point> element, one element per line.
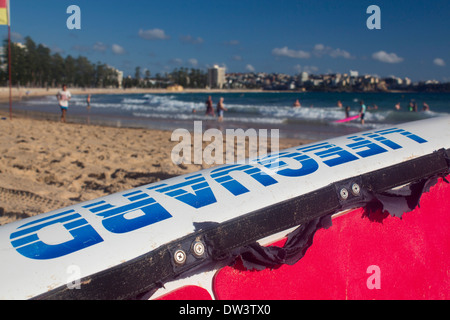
<point>10,83</point>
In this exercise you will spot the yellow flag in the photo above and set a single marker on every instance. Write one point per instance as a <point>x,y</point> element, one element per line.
<point>4,12</point>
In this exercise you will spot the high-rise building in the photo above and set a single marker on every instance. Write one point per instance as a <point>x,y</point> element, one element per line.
<point>303,77</point>
<point>216,77</point>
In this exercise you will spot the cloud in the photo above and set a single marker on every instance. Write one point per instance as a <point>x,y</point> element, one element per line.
<point>100,46</point>
<point>321,50</point>
<point>286,52</point>
<point>383,56</point>
<point>176,61</point>
<point>250,68</point>
<point>81,48</point>
<point>153,34</point>
<point>222,65</point>
<point>439,62</point>
<point>231,43</point>
<point>237,58</point>
<point>116,49</point>
<point>336,53</point>
<point>57,49</point>
<point>191,40</point>
<point>319,47</point>
<point>193,62</point>
<point>15,36</point>
<point>309,69</point>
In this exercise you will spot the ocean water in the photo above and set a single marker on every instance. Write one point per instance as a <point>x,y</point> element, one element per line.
<point>260,110</point>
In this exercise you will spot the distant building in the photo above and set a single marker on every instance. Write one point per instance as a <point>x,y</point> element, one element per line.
<point>303,77</point>
<point>354,74</point>
<point>119,78</point>
<point>216,77</point>
<point>336,80</point>
<point>116,75</point>
<point>353,77</point>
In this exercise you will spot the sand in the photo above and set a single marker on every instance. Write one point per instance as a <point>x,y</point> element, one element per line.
<point>46,165</point>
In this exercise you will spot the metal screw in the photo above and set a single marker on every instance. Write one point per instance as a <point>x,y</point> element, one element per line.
<point>355,189</point>
<point>198,249</point>
<point>344,193</point>
<point>179,257</point>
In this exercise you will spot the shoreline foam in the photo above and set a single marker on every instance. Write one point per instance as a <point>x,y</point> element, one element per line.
<point>299,127</point>
<point>22,93</point>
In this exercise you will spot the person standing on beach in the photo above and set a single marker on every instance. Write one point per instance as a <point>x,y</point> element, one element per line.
<point>362,111</point>
<point>220,109</point>
<point>88,101</point>
<point>63,97</point>
<point>209,107</point>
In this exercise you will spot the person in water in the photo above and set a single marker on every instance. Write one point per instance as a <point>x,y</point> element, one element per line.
<point>209,107</point>
<point>347,111</point>
<point>220,109</point>
<point>362,111</point>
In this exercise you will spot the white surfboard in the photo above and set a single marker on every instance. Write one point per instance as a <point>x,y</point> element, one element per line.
<point>133,242</point>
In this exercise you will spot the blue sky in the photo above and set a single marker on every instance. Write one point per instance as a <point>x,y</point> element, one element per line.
<point>284,36</point>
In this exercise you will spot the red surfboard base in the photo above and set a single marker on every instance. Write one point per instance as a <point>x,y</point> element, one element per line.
<point>355,259</point>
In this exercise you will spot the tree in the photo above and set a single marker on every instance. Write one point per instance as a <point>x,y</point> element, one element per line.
<point>43,61</point>
<point>36,66</point>
<point>137,74</point>
<point>18,63</point>
<point>69,71</point>
<point>57,70</point>
<point>31,62</point>
<point>85,72</point>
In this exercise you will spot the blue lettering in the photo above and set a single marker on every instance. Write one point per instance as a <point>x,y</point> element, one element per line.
<point>143,211</point>
<point>222,176</point>
<point>31,239</point>
<point>383,140</point>
<point>339,155</point>
<point>27,242</point>
<point>201,197</point>
<point>403,133</point>
<point>370,148</point>
<point>273,162</point>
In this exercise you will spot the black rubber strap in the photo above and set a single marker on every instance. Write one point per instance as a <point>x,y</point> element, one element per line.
<point>281,216</point>
<point>149,271</point>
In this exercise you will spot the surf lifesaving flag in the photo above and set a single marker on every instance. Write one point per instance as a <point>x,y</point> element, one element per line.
<point>4,12</point>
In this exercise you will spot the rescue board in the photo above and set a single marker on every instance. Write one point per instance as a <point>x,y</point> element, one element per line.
<point>347,119</point>
<point>184,229</point>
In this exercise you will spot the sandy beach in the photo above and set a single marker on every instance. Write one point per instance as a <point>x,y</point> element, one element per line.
<point>46,165</point>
